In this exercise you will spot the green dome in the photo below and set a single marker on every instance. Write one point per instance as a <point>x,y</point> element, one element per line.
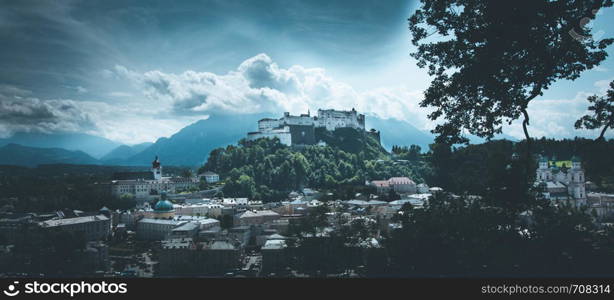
<point>163,206</point>
<point>543,159</point>
<point>575,159</point>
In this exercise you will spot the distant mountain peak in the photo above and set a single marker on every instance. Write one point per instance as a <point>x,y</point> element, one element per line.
<point>19,155</point>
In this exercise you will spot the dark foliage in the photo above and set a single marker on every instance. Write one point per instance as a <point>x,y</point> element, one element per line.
<point>602,113</point>
<point>489,59</point>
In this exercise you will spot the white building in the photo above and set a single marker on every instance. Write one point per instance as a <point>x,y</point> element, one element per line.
<point>291,130</point>
<point>205,209</point>
<point>562,183</point>
<point>235,202</point>
<point>333,119</point>
<point>210,177</point>
<point>602,203</point>
<point>282,133</point>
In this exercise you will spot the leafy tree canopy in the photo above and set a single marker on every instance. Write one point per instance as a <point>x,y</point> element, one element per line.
<point>602,109</point>
<point>489,59</point>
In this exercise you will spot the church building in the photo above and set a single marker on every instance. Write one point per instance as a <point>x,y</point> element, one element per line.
<point>562,183</point>
<point>142,185</point>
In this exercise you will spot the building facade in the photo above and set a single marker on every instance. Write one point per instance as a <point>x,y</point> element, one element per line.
<point>210,177</point>
<point>155,229</point>
<point>300,130</point>
<point>257,217</point>
<point>401,185</point>
<point>184,257</point>
<point>94,228</point>
<point>561,183</point>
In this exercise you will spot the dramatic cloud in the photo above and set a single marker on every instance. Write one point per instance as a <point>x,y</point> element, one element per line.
<point>21,112</point>
<point>129,122</point>
<point>556,117</point>
<point>260,85</point>
<point>139,70</point>
<point>161,103</point>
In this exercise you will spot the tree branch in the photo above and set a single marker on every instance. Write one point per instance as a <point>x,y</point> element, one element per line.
<point>606,128</point>
<point>525,123</point>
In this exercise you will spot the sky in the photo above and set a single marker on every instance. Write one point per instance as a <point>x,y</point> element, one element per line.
<point>134,71</point>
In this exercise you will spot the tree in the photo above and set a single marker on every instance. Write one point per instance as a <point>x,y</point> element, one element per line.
<point>491,58</point>
<point>603,113</point>
<point>187,173</point>
<point>392,195</point>
<point>226,221</point>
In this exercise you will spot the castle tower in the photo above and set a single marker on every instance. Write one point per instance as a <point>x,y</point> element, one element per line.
<point>156,168</point>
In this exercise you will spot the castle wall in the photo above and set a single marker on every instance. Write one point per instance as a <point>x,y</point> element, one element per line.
<point>283,134</point>
<point>333,119</point>
<point>299,130</point>
<point>267,124</point>
<point>302,134</point>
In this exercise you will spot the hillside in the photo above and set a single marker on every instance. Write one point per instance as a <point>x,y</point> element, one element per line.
<point>18,155</point>
<point>267,169</point>
<point>352,141</point>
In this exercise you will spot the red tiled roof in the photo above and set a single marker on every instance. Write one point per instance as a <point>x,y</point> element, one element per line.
<point>380,183</point>
<point>400,180</point>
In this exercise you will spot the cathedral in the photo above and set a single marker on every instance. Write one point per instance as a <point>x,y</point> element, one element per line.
<point>562,183</point>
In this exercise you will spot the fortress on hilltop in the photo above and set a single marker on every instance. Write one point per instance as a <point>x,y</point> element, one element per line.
<point>300,130</point>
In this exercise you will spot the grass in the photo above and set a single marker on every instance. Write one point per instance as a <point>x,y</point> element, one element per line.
<point>561,163</point>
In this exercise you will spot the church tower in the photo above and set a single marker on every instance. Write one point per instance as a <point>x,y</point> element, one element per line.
<point>156,168</point>
<point>577,182</point>
<point>543,172</point>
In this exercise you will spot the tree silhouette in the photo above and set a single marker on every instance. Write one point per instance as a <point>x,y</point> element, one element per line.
<point>489,59</point>
<point>603,113</point>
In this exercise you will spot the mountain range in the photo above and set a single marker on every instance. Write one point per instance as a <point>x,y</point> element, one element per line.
<point>93,145</point>
<point>14,154</point>
<point>123,152</point>
<point>190,146</point>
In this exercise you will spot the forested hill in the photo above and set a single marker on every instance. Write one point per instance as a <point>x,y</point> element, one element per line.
<point>266,169</point>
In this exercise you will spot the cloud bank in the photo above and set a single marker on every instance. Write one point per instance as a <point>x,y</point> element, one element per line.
<point>259,84</point>
<point>20,112</point>
<point>161,103</point>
